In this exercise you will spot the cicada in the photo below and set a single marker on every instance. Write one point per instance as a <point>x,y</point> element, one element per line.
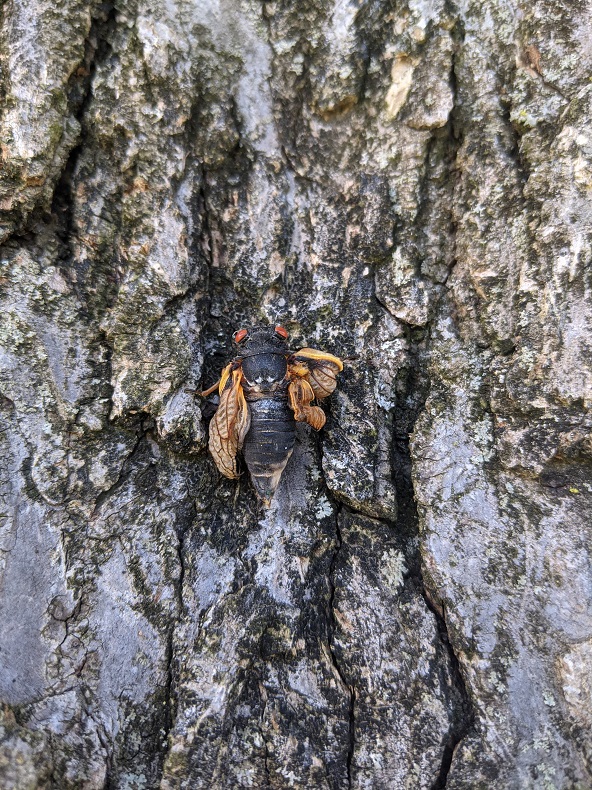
<point>264,391</point>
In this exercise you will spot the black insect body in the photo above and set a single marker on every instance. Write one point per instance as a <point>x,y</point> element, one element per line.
<point>270,439</point>
<point>263,392</point>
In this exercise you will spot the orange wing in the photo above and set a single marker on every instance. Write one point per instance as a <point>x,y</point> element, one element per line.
<point>312,374</point>
<point>230,423</point>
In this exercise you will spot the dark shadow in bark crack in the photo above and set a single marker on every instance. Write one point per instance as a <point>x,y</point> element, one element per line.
<point>412,401</point>
<point>333,625</point>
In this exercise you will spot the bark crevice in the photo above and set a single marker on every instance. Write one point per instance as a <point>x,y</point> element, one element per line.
<point>349,687</point>
<point>412,403</point>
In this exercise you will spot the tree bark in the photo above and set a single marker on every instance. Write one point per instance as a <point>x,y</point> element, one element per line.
<point>403,184</point>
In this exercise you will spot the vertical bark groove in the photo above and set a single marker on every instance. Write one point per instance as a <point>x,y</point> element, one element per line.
<point>347,685</point>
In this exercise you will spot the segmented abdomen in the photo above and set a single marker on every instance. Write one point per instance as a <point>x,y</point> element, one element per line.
<point>269,442</point>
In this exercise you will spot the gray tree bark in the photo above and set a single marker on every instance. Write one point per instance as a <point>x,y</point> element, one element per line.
<point>406,183</point>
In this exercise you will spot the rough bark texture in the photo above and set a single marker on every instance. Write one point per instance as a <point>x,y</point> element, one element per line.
<point>406,183</point>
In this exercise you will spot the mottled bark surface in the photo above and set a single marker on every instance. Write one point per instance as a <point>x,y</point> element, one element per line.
<point>403,183</point>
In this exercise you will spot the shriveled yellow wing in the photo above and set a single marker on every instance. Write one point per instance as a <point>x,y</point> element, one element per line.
<point>230,423</point>
<point>300,396</point>
<point>317,368</point>
<point>312,374</point>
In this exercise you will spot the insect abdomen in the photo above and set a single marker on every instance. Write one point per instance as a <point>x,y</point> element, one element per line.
<point>269,442</point>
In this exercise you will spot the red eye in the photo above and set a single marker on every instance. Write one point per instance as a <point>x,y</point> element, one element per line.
<point>281,332</point>
<point>240,335</point>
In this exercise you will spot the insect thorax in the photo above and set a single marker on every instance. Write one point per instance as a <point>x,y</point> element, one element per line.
<point>264,373</point>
